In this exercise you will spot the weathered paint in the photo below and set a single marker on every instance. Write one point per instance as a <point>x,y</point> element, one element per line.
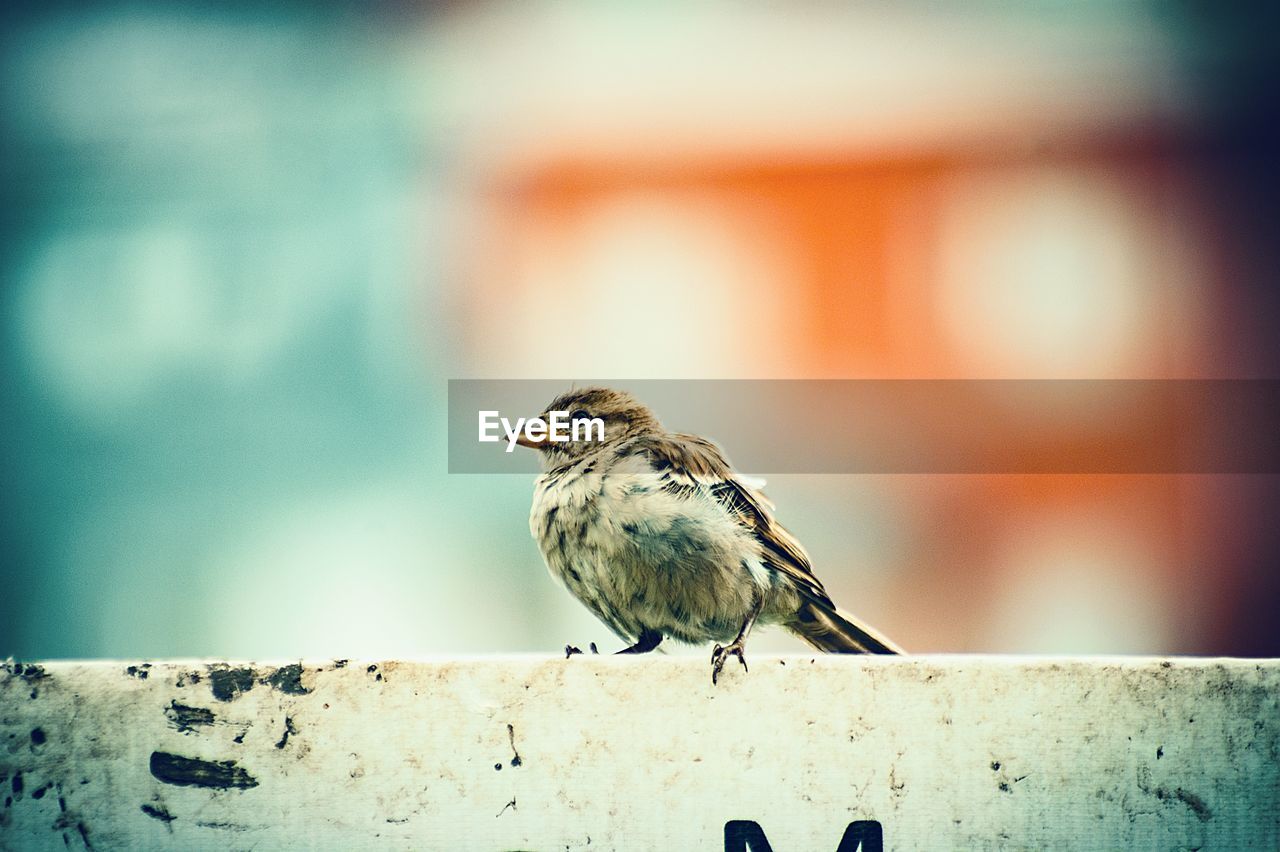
<point>642,753</point>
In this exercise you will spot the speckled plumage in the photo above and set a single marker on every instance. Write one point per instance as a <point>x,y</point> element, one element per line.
<point>656,535</point>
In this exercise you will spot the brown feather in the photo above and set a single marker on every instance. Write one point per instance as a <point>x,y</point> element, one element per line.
<point>828,628</point>
<point>697,462</point>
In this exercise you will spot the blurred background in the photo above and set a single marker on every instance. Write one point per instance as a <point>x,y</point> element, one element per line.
<point>244,247</point>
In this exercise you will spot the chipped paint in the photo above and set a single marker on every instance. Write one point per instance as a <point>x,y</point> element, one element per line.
<point>229,683</point>
<point>157,812</point>
<point>193,772</point>
<point>29,672</point>
<point>289,730</point>
<point>946,752</point>
<point>287,679</point>
<point>188,719</point>
<point>515,755</point>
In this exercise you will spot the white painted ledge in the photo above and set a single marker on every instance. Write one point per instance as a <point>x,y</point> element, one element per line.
<point>641,753</point>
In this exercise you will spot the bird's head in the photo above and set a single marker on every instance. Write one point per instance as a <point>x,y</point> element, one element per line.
<point>594,417</point>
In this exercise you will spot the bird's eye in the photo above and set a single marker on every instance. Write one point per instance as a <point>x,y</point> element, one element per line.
<point>580,414</point>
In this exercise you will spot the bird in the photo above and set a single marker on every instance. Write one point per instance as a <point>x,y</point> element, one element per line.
<point>658,536</point>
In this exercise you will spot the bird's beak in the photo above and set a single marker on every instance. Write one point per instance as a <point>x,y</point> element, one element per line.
<point>526,442</point>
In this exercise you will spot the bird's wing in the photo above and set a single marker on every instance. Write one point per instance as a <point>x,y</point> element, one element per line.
<point>689,464</point>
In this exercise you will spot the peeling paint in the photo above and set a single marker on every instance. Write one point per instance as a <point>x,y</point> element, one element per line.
<point>1197,805</point>
<point>29,672</point>
<point>223,826</point>
<point>192,772</point>
<point>229,684</point>
<point>188,719</point>
<point>288,730</point>
<point>287,679</point>
<point>189,677</point>
<point>158,812</point>
<point>515,755</point>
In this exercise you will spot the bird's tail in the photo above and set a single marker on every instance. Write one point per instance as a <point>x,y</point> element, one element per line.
<point>826,628</point>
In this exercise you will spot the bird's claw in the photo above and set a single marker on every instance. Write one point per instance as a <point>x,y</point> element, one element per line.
<point>720,653</point>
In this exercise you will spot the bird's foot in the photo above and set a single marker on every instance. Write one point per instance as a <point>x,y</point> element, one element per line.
<point>649,639</point>
<point>570,650</point>
<point>721,653</point>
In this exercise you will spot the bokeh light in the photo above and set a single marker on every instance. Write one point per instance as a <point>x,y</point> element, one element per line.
<point>244,249</point>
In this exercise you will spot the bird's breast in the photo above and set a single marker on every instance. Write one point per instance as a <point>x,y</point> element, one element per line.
<point>643,555</point>
<point>584,515</point>
<point>623,529</point>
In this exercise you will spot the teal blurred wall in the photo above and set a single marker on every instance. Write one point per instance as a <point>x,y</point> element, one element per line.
<point>221,333</point>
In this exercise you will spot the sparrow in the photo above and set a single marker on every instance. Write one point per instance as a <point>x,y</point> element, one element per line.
<point>655,533</point>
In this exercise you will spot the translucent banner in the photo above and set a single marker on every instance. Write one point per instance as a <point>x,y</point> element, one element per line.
<point>913,426</point>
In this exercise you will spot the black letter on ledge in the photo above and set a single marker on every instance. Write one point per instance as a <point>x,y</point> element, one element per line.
<point>741,835</point>
<point>865,835</point>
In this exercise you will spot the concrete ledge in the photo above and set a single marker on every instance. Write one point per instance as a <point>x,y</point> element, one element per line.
<point>642,753</point>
